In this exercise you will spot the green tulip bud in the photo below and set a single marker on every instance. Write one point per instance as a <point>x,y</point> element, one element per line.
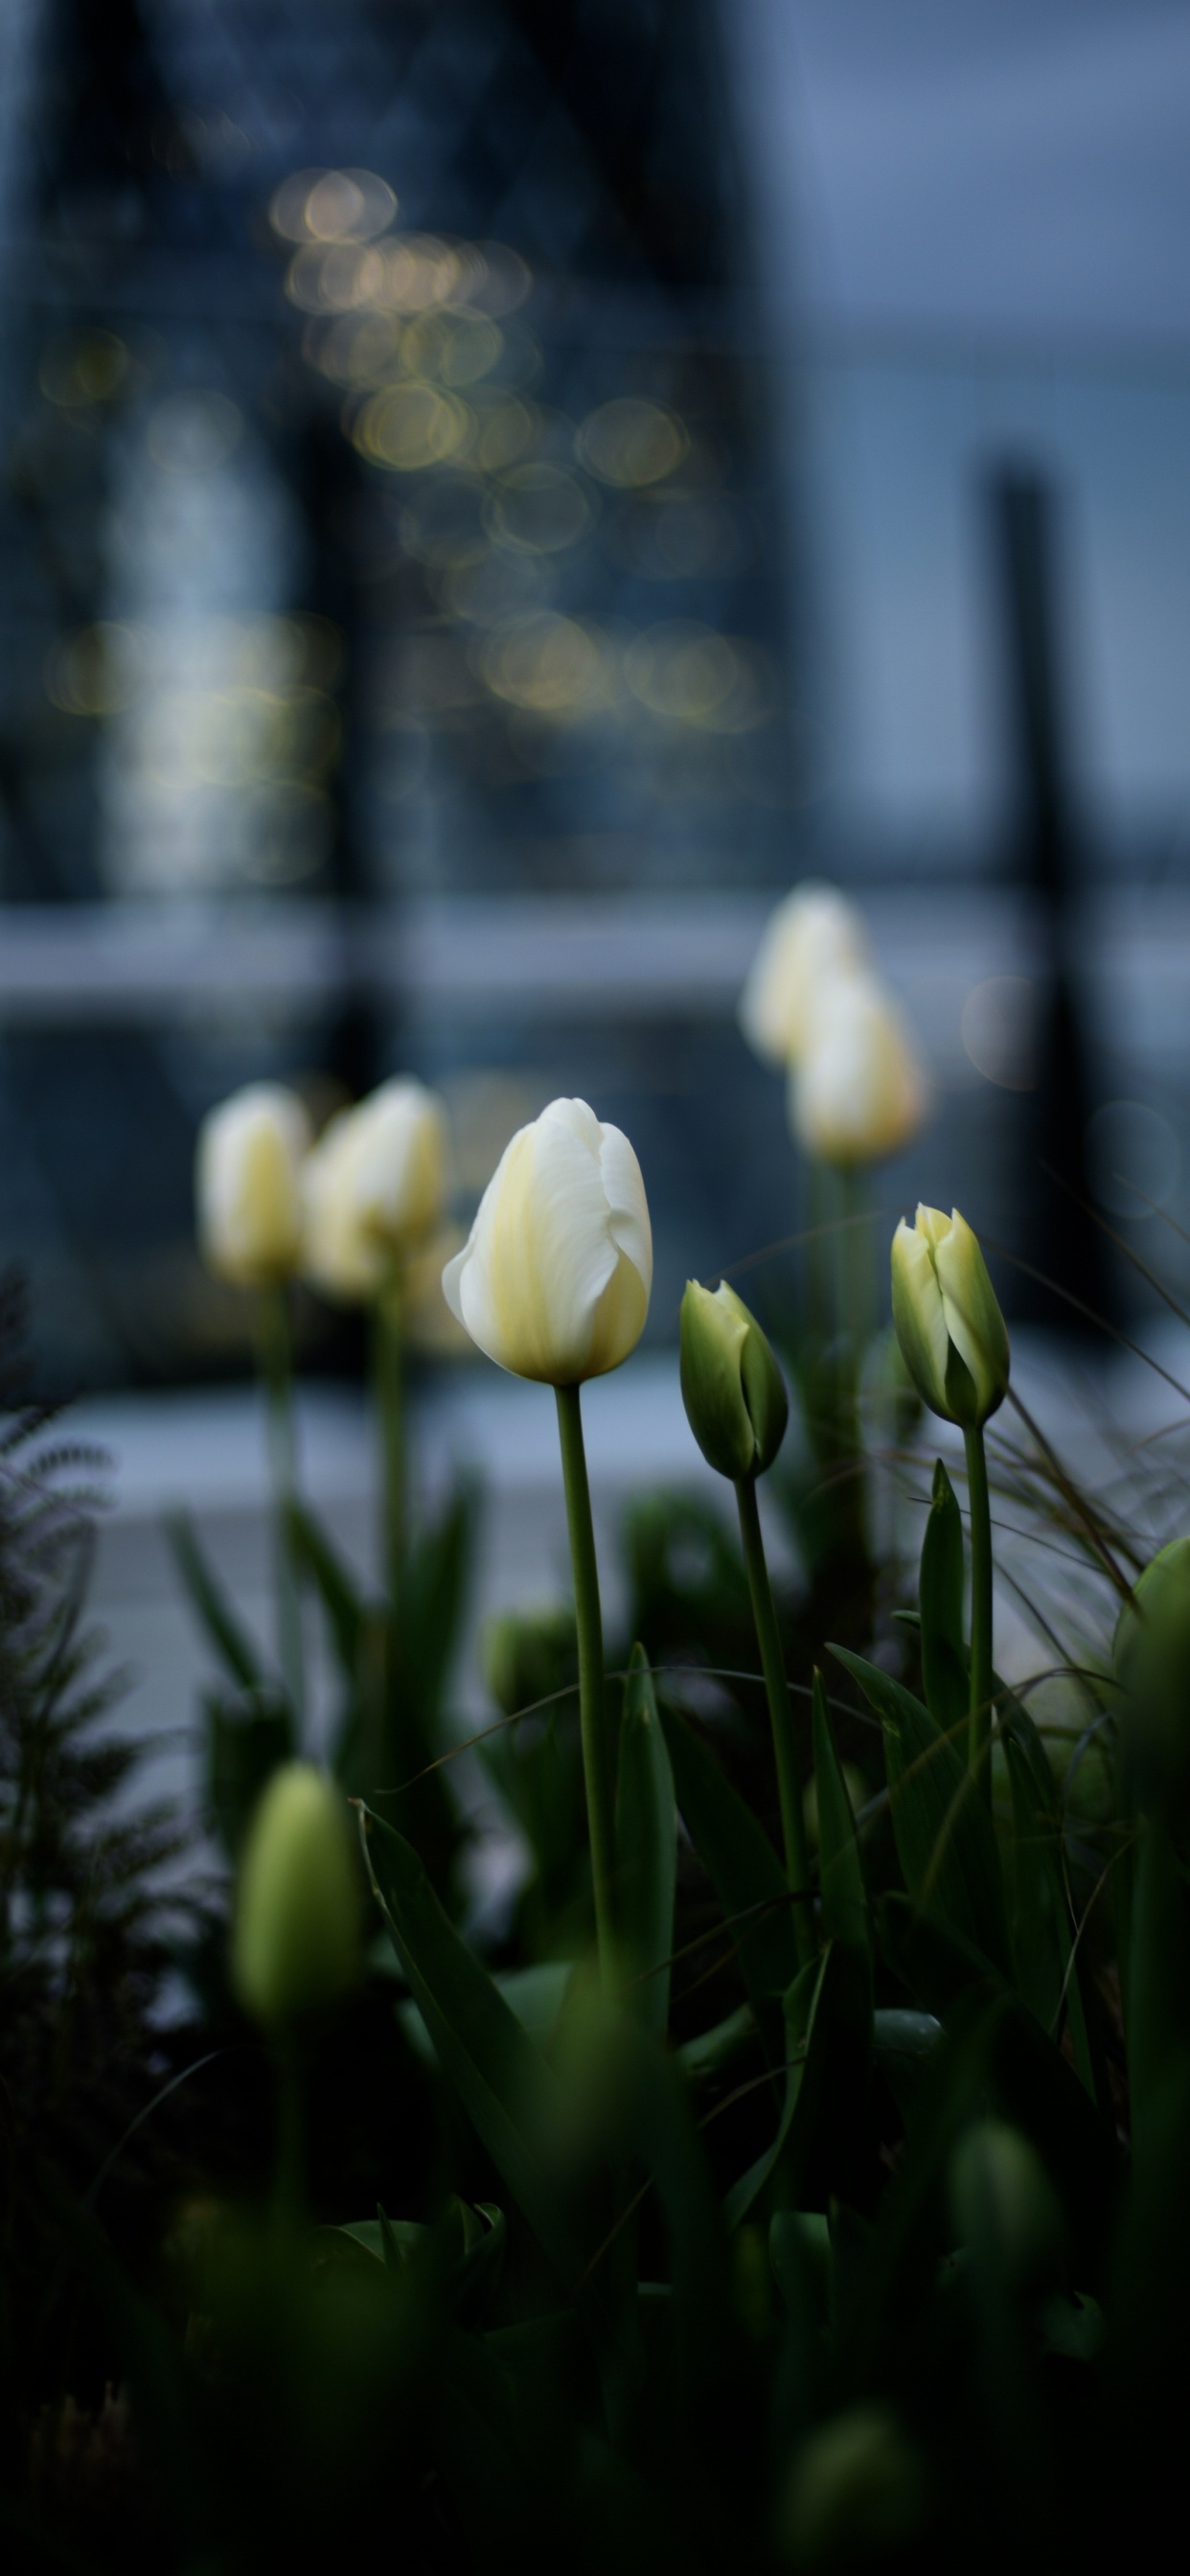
<point>732,1388</point>
<point>1004,2205</point>
<point>1152,1656</point>
<point>857,2491</point>
<point>296,1942</point>
<point>949,1325</point>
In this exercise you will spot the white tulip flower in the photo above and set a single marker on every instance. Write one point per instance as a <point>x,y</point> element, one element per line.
<point>815,935</point>
<point>554,1280</point>
<point>859,1092</point>
<point>248,1184</point>
<point>373,1189</point>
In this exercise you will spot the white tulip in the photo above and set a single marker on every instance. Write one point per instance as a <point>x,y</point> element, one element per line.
<point>373,1189</point>
<point>248,1184</point>
<point>813,936</point>
<point>554,1280</point>
<point>859,1092</point>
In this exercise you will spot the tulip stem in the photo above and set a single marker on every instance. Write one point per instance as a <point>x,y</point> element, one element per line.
<point>592,1711</point>
<point>979,1731</point>
<point>789,1787</point>
<point>388,1371</point>
<point>277,1370</point>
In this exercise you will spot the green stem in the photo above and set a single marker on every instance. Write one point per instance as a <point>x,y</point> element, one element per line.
<point>277,1371</point>
<point>389,1379</point>
<point>289,2175</point>
<point>979,1730</point>
<point>592,1712</point>
<point>789,1788</point>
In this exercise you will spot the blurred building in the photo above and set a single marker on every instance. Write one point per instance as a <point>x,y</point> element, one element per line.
<point>491,494</point>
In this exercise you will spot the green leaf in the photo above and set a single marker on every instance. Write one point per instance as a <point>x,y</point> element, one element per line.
<point>827,2039</point>
<point>1037,2087</point>
<point>230,1641</point>
<point>315,1556</point>
<point>715,2049</point>
<point>428,1618</point>
<point>801,2086</point>
<point>646,1852</point>
<point>535,1994</point>
<point>940,1598</point>
<point>945,1839</point>
<point>247,1740</point>
<point>745,1873</point>
<point>499,2073</point>
<point>903,2042</point>
<point>1159,1996</point>
<point>1042,1930</point>
<point>844,1894</point>
<point>384,2238</point>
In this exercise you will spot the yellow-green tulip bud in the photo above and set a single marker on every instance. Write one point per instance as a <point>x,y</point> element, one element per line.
<point>732,1388</point>
<point>297,1936</point>
<point>553,1281</point>
<point>949,1326</point>
<point>248,1184</point>
<point>1152,1655</point>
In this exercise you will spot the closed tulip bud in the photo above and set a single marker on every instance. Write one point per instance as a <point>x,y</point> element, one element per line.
<point>857,2493</point>
<point>553,1282</point>
<point>372,1189</point>
<point>1152,1656</point>
<point>949,1326</point>
<point>857,1091</point>
<point>297,1936</point>
<point>813,935</point>
<point>732,1388</point>
<point>1004,2205</point>
<point>248,1185</point>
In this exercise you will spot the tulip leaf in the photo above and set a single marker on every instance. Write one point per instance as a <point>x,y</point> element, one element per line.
<point>249,1736</point>
<point>314,1555</point>
<point>230,1641</point>
<point>745,1873</point>
<point>646,1852</point>
<point>940,1600</point>
<point>804,2053</point>
<point>1042,1930</point>
<point>1036,2086</point>
<point>841,1874</point>
<point>1159,1996</point>
<point>945,1839</point>
<point>499,2073</point>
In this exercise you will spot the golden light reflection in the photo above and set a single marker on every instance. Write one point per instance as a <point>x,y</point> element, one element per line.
<point>509,430</point>
<point>82,367</point>
<point>689,674</point>
<point>538,508</point>
<point>631,442</point>
<point>550,665</point>
<point>359,349</point>
<point>456,348</point>
<point>98,669</point>
<point>409,426</point>
<point>332,206</point>
<point>335,277</point>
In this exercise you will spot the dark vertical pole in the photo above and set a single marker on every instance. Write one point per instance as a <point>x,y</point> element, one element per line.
<point>1058,1234</point>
